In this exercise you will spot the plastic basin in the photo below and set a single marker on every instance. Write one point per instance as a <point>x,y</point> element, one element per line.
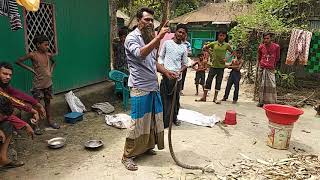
<point>281,114</point>
<point>73,117</point>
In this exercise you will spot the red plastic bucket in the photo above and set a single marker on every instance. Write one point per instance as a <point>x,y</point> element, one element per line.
<point>281,114</point>
<point>231,118</point>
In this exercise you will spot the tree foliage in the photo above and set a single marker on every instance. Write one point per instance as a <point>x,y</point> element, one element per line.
<point>130,7</point>
<point>277,16</point>
<point>178,7</point>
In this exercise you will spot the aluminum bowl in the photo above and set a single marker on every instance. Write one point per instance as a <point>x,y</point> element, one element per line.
<point>93,144</point>
<point>56,143</point>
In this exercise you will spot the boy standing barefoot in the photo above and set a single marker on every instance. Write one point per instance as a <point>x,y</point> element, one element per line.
<point>42,68</point>
<point>200,72</point>
<point>234,78</point>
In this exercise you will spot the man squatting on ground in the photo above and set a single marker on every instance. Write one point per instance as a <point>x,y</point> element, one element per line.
<point>26,102</point>
<point>7,124</point>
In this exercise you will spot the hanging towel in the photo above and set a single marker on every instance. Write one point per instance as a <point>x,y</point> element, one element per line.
<point>299,47</point>
<point>10,8</point>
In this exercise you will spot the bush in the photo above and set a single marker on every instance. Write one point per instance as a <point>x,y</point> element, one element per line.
<point>286,80</point>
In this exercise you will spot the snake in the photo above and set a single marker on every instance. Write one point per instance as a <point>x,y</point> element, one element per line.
<point>172,153</point>
<point>12,99</point>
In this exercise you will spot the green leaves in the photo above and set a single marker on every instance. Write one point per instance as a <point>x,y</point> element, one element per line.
<point>181,7</point>
<point>178,7</point>
<point>286,80</point>
<point>277,16</point>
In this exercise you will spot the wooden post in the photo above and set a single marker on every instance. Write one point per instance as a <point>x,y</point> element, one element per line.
<point>165,17</point>
<point>166,13</point>
<point>113,27</point>
<point>256,84</point>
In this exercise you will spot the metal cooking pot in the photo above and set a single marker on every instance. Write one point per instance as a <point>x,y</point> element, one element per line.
<point>56,143</point>
<point>93,144</point>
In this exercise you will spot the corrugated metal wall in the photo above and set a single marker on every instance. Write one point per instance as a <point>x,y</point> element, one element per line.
<point>315,24</point>
<point>11,47</point>
<point>83,45</point>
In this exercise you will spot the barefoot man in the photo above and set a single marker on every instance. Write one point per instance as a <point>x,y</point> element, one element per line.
<point>146,106</point>
<point>217,51</point>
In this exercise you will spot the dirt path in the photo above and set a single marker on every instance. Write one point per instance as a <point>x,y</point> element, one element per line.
<point>193,144</point>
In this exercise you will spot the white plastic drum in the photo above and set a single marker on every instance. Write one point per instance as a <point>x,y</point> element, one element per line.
<point>279,136</point>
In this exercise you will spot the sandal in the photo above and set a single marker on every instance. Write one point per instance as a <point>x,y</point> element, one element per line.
<point>151,152</point>
<point>129,164</point>
<point>200,100</point>
<point>177,123</point>
<point>37,130</point>
<point>54,125</point>
<point>12,164</point>
<point>260,105</point>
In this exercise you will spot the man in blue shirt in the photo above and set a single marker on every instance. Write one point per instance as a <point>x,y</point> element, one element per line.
<point>146,106</point>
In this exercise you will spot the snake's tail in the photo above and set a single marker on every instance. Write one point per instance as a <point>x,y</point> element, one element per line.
<point>174,157</point>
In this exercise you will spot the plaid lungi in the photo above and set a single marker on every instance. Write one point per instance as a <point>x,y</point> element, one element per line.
<point>267,89</point>
<point>147,123</point>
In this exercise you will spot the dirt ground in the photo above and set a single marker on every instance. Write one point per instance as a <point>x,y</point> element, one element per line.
<point>219,147</point>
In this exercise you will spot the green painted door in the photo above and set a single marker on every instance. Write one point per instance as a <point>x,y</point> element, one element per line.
<point>199,38</point>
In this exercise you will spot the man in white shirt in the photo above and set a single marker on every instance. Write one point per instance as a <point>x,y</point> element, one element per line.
<point>173,56</point>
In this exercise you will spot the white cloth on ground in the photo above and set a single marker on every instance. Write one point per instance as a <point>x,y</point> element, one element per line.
<point>104,107</point>
<point>121,121</point>
<point>197,118</point>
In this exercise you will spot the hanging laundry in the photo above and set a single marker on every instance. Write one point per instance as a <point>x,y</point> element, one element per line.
<point>30,5</point>
<point>10,8</point>
<point>299,47</point>
<point>314,55</point>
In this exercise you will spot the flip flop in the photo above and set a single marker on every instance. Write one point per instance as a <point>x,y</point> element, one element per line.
<point>151,152</point>
<point>200,100</point>
<point>38,131</point>
<point>217,101</point>
<point>54,125</point>
<point>177,123</point>
<point>12,164</point>
<point>129,164</point>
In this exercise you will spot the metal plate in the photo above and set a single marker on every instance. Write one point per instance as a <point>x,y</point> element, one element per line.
<point>92,144</point>
<point>57,142</point>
